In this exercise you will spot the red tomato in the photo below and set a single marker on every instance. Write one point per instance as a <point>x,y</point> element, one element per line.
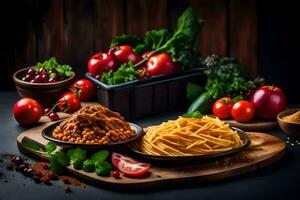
<point>242,111</point>
<point>160,64</point>
<point>125,54</point>
<point>84,89</point>
<point>129,166</point>
<point>27,111</point>
<point>268,101</point>
<point>116,157</point>
<point>101,62</point>
<point>69,103</point>
<point>222,108</point>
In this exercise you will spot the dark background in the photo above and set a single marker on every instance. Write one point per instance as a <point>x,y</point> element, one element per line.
<point>263,35</point>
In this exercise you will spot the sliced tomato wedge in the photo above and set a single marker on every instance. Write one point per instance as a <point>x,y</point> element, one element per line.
<point>116,158</point>
<point>129,166</point>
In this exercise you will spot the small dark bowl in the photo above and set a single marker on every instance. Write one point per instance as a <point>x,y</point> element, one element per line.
<point>291,129</point>
<point>44,93</point>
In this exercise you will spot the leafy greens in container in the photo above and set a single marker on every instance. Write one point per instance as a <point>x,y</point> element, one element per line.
<point>180,44</point>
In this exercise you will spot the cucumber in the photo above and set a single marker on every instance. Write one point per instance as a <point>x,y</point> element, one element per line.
<point>202,104</point>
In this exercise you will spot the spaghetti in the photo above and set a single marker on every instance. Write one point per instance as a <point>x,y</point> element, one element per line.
<point>189,136</point>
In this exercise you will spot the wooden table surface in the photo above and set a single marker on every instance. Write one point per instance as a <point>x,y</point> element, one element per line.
<point>278,181</point>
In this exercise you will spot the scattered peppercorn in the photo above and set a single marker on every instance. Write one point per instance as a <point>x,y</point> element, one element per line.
<point>17,160</point>
<point>37,171</point>
<point>10,167</point>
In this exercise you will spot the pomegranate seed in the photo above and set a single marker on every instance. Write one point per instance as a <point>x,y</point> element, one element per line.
<point>115,174</point>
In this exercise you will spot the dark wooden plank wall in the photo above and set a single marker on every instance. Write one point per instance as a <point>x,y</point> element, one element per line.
<point>72,30</point>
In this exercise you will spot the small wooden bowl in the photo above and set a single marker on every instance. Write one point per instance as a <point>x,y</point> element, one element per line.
<point>291,129</point>
<point>44,93</point>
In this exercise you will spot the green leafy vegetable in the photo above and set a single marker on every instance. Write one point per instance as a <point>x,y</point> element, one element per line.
<point>88,166</point>
<point>100,156</point>
<point>193,115</point>
<point>77,164</point>
<point>98,163</point>
<point>103,168</point>
<point>181,45</point>
<point>193,91</point>
<point>125,73</point>
<point>152,40</point>
<point>50,147</point>
<point>58,160</point>
<point>77,157</point>
<point>63,70</point>
<point>131,40</point>
<point>226,77</point>
<point>31,145</point>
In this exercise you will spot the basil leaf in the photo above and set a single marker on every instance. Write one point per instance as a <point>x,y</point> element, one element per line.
<point>56,166</point>
<point>193,115</point>
<point>125,40</point>
<point>62,158</point>
<point>103,169</point>
<point>50,147</point>
<point>88,166</point>
<point>31,145</point>
<point>76,154</point>
<point>100,156</point>
<point>77,164</point>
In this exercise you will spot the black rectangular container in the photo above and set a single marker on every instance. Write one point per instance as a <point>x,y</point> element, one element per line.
<point>145,97</point>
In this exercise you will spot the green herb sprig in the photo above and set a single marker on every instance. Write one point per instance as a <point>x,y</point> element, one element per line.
<point>63,70</point>
<point>125,73</point>
<point>58,160</point>
<point>77,157</point>
<point>195,114</point>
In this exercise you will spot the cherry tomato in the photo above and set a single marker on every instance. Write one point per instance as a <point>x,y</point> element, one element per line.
<point>222,108</point>
<point>53,116</point>
<point>27,111</point>
<point>84,89</point>
<point>129,166</point>
<point>125,54</point>
<point>242,111</point>
<point>46,111</point>
<point>101,62</point>
<point>160,64</point>
<point>69,103</point>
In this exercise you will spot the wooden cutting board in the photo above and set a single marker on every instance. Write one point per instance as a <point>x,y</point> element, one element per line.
<point>255,125</point>
<point>264,150</point>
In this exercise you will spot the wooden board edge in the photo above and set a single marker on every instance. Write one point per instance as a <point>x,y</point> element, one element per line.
<point>162,182</point>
